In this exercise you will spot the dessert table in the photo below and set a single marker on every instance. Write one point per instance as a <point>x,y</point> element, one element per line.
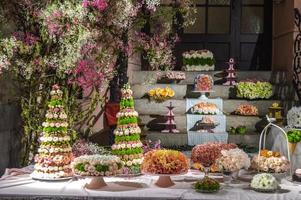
<point>142,187</point>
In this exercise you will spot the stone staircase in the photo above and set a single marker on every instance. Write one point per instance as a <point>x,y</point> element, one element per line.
<point>151,113</point>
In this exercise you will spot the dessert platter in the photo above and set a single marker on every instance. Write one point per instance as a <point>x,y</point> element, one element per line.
<point>97,167</point>
<point>205,108</point>
<point>200,60</point>
<point>296,178</point>
<point>204,156</point>
<point>265,183</point>
<point>164,163</point>
<point>55,152</point>
<point>231,162</point>
<point>207,185</point>
<point>172,77</point>
<point>254,89</point>
<point>206,124</point>
<point>271,162</point>
<point>246,110</point>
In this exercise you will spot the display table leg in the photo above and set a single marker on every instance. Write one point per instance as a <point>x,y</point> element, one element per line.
<point>96,183</point>
<point>164,182</point>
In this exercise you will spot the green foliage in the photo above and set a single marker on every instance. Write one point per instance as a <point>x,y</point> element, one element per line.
<point>207,185</point>
<point>80,167</point>
<point>127,103</point>
<point>55,129</point>
<point>198,61</point>
<point>127,120</point>
<point>240,130</point>
<point>131,151</point>
<point>294,136</point>
<point>254,90</point>
<point>101,168</point>
<point>126,138</point>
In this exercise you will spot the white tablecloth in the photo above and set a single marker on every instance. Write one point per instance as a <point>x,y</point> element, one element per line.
<point>23,187</point>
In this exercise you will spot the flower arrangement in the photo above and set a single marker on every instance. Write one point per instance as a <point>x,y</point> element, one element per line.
<point>165,162</point>
<point>254,89</point>
<point>270,164</point>
<point>266,153</point>
<point>246,110</point>
<point>264,181</point>
<point>294,117</point>
<point>233,160</point>
<point>207,185</point>
<point>294,136</point>
<point>206,154</point>
<point>161,94</point>
<point>97,165</point>
<point>201,60</point>
<point>150,145</point>
<point>240,130</point>
<point>203,82</point>
<point>82,147</point>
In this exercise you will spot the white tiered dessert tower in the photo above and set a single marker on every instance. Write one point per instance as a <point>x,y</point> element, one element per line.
<point>218,134</point>
<point>55,152</point>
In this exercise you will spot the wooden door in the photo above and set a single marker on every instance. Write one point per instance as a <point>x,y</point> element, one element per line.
<point>231,28</point>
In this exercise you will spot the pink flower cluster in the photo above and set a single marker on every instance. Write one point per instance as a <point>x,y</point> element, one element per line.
<point>150,145</point>
<point>54,25</point>
<point>206,154</point>
<point>28,38</point>
<point>100,5</point>
<point>87,75</point>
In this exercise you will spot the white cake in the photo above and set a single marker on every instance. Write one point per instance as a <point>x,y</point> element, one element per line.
<point>294,117</point>
<point>264,182</point>
<point>200,60</point>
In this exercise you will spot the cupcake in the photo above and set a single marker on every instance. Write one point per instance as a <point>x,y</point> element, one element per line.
<point>297,175</point>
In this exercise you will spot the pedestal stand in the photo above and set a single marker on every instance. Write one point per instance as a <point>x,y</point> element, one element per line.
<point>164,182</point>
<point>96,183</point>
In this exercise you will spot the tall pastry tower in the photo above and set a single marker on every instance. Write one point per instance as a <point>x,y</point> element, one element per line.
<point>55,153</point>
<point>127,134</point>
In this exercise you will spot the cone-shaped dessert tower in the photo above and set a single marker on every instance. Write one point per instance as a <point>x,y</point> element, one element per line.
<point>54,154</point>
<point>231,77</point>
<point>170,124</point>
<point>127,134</point>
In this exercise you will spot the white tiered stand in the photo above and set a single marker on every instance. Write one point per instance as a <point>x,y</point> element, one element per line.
<point>219,135</point>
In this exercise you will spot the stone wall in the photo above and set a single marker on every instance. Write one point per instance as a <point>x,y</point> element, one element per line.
<point>10,125</point>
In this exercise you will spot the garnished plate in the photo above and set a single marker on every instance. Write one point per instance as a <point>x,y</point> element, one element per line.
<point>39,178</point>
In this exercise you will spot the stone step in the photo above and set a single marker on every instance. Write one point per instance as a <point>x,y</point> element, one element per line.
<point>141,77</point>
<point>249,139</point>
<point>146,107</point>
<point>152,122</point>
<point>185,91</point>
<point>168,139</point>
<point>175,140</point>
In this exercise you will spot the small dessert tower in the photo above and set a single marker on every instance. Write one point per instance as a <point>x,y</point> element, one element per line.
<point>231,77</point>
<point>127,134</point>
<point>170,124</point>
<point>55,153</point>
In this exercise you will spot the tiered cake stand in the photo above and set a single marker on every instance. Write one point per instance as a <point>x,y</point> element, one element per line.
<point>217,134</point>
